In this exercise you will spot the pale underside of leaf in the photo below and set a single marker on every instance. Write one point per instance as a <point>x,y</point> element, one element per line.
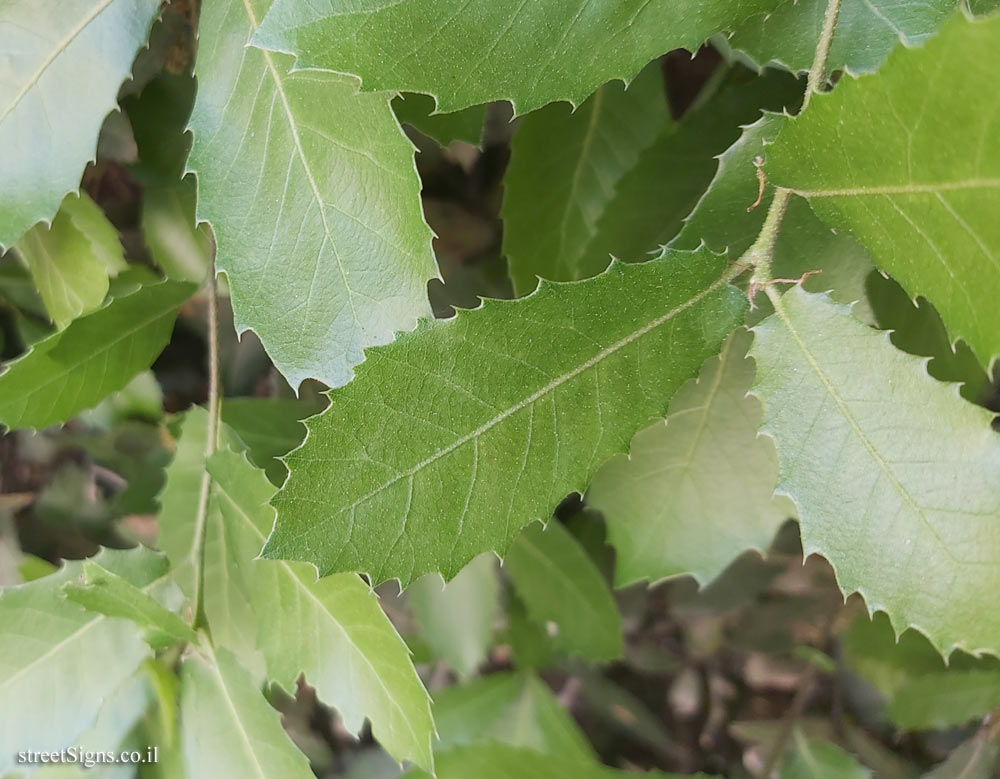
<point>703,473</point>
<point>902,501</point>
<point>351,654</point>
<point>64,62</point>
<point>914,174</point>
<point>313,195</point>
<point>227,726</point>
<point>467,429</point>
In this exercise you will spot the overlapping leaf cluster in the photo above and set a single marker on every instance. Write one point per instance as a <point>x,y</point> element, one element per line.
<point>633,380</point>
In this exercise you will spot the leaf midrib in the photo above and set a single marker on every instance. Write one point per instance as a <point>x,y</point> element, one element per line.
<point>731,272</point>
<point>900,189</point>
<point>299,583</point>
<point>54,55</point>
<point>300,152</point>
<point>853,423</point>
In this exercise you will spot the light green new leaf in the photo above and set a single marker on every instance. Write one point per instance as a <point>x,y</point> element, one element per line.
<point>914,174</point>
<point>517,709</point>
<point>347,628</point>
<point>313,195</point>
<point>63,63</point>
<point>564,168</point>
<point>703,473</point>
<point>498,761</point>
<point>456,619</point>
<point>462,432</point>
<point>95,355</point>
<point>417,111</point>
<point>50,643</point>
<point>227,726</point>
<point>946,699</point>
<point>177,245</point>
<point>902,501</point>
<point>108,593</point>
<point>563,590</point>
<point>528,53</point>
<point>815,759</point>
<point>70,261</point>
<point>867,30</point>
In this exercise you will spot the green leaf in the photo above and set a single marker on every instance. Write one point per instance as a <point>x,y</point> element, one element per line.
<point>227,726</point>
<point>902,502</point>
<point>456,619</point>
<point>517,709</point>
<point>313,196</point>
<point>725,219</point>
<point>347,628</point>
<point>871,650</point>
<point>669,177</point>
<point>95,355</point>
<point>70,261</point>
<point>270,427</point>
<point>867,30</point>
<point>563,590</point>
<point>977,758</point>
<point>107,593</point>
<point>417,111</point>
<point>946,699</point>
<point>65,60</point>
<point>564,167</point>
<point>497,761</point>
<point>50,643</point>
<point>815,759</point>
<point>566,50</point>
<point>462,432</point>
<point>703,473</point>
<point>180,248</point>
<point>868,157</point>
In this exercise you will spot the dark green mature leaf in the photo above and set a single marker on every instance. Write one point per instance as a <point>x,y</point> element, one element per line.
<point>456,619</point>
<point>71,259</point>
<point>528,53</point>
<point>564,167</point>
<point>417,111</point>
<point>95,355</point>
<point>697,489</point>
<point>946,699</point>
<point>869,158</point>
<point>347,628</point>
<point>64,62</point>
<point>465,430</point>
<point>867,30</point>
<point>227,726</point>
<point>108,593</point>
<point>517,709</point>
<point>50,643</point>
<point>902,503</point>
<point>671,175</point>
<point>564,591</point>
<point>270,427</point>
<point>313,195</point>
